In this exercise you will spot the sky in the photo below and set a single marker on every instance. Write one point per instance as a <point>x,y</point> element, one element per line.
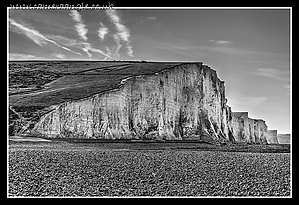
<point>249,48</point>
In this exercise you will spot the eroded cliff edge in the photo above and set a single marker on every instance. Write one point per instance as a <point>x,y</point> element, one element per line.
<point>183,102</point>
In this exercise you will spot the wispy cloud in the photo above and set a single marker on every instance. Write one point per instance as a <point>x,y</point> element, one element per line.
<point>85,46</point>
<point>130,51</point>
<point>80,26</point>
<point>152,18</point>
<point>220,42</point>
<point>227,50</point>
<point>32,34</point>
<point>198,49</point>
<point>233,50</point>
<point>82,31</point>
<point>241,101</point>
<point>58,55</point>
<point>123,33</point>
<point>103,31</point>
<point>118,44</point>
<point>88,47</point>
<point>267,72</point>
<point>21,56</point>
<point>109,53</point>
<point>249,101</point>
<point>62,40</point>
<point>36,36</point>
<point>271,73</point>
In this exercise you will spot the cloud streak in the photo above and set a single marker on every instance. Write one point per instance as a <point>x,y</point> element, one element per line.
<point>187,48</point>
<point>80,26</point>
<point>32,34</point>
<point>240,101</point>
<point>118,44</point>
<point>82,31</point>
<point>36,36</point>
<point>152,18</point>
<point>85,46</point>
<point>123,33</point>
<point>58,55</point>
<point>103,31</point>
<point>21,56</point>
<point>62,40</point>
<point>219,42</point>
<point>271,73</point>
<point>109,53</point>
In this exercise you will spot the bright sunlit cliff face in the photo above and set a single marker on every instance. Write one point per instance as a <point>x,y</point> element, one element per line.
<point>249,49</point>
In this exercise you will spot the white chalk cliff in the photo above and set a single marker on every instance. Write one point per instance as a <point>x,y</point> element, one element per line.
<point>184,102</point>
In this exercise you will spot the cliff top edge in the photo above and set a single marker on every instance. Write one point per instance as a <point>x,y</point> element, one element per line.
<point>63,81</point>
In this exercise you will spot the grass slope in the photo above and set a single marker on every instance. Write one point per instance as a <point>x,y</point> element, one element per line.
<point>49,83</point>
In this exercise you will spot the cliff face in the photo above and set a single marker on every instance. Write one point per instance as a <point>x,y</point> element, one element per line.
<point>272,137</point>
<point>185,102</point>
<point>245,129</point>
<point>284,138</point>
<point>260,131</point>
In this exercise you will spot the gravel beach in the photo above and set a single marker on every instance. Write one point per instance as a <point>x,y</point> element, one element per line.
<point>124,172</point>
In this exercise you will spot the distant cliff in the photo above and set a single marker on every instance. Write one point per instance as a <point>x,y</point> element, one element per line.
<point>272,137</point>
<point>245,129</point>
<point>284,138</point>
<point>183,102</point>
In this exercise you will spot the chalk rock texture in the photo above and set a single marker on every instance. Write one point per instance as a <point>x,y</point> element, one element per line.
<point>245,129</point>
<point>284,138</point>
<point>184,101</point>
<point>272,137</point>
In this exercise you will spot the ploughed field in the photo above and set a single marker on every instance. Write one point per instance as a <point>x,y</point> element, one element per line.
<point>47,168</point>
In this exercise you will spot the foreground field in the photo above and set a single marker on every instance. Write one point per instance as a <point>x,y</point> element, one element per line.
<point>63,169</point>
